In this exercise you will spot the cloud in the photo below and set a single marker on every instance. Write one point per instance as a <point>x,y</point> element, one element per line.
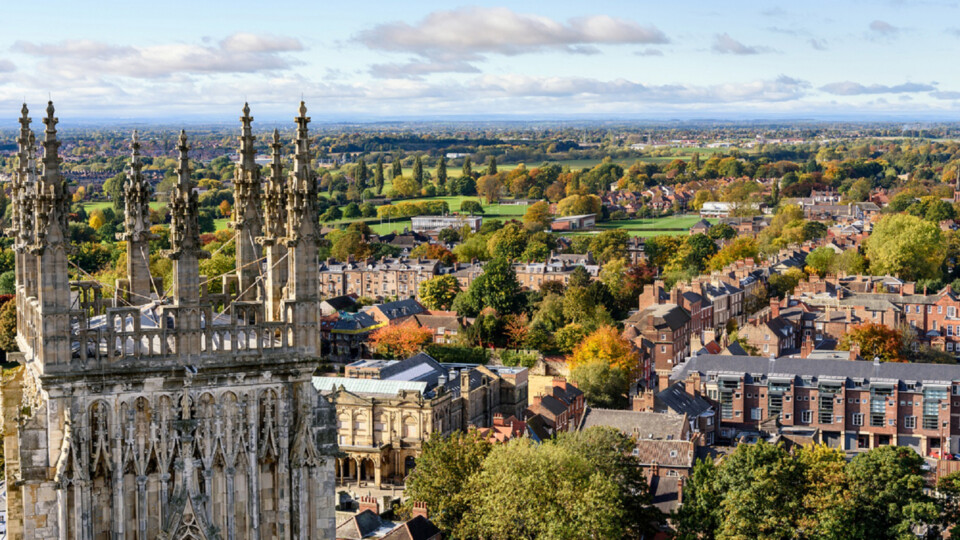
<point>940,94</point>
<point>818,44</point>
<point>850,88</point>
<point>773,12</point>
<point>649,52</point>
<point>724,44</point>
<point>449,38</point>
<point>238,53</point>
<point>953,31</point>
<point>416,69</point>
<point>7,66</point>
<point>884,28</point>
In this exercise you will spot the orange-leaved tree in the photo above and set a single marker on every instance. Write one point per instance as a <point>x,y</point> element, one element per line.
<point>875,340</point>
<point>605,345</point>
<point>400,341</point>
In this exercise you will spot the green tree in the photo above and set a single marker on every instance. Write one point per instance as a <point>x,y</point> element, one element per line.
<point>527,490</point>
<point>497,287</point>
<point>700,515</point>
<point>905,246</point>
<point>467,168</point>
<point>397,166</point>
<point>822,260</point>
<point>603,385</point>
<point>439,292</point>
<point>492,166</point>
<point>378,179</point>
<point>8,282</point>
<point>887,494</point>
<point>361,174</point>
<point>442,171</point>
<point>8,326</point>
<point>471,207</point>
<point>721,231</point>
<point>443,471</point>
<point>418,170</point>
<point>508,243</point>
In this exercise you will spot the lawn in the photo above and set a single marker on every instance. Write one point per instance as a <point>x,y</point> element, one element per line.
<point>100,205</point>
<point>672,222</point>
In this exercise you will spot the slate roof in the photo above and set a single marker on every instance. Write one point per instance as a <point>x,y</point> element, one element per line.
<point>359,526</point>
<point>418,528</point>
<point>677,400</point>
<point>342,302</point>
<point>664,492</point>
<point>367,386</point>
<point>400,308</point>
<point>833,369</point>
<point>664,316</point>
<point>648,425</point>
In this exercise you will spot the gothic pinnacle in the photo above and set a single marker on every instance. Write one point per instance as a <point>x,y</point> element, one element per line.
<point>183,161</point>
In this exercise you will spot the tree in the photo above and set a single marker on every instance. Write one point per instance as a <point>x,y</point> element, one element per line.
<point>610,244</point>
<point>442,171</point>
<point>576,205</point>
<point>96,220</point>
<point>887,494</point>
<point>405,186</point>
<point>492,165</point>
<point>225,208</point>
<point>350,243</point>
<point>537,216</point>
<point>378,179</point>
<point>437,252</point>
<point>740,248</point>
<point>905,246</point>
<point>700,516</point>
<point>397,166</point>
<point>497,287</point>
<point>721,231</point>
<point>821,260</point>
<point>471,207</point>
<point>527,490</point>
<point>467,168</point>
<point>508,243</point>
<point>948,486</point>
<point>606,345</point>
<point>8,326</point>
<point>874,341</point>
<point>418,170</point>
<point>489,186</point>
<point>351,211</point>
<point>400,340</point>
<point>443,470</point>
<point>8,283</point>
<point>568,337</point>
<point>361,174</point>
<point>439,292</point>
<point>602,384</point>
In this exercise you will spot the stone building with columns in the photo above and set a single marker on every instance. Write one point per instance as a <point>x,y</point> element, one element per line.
<point>171,414</point>
<point>386,409</point>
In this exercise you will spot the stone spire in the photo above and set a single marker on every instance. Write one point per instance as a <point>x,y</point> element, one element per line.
<point>274,229</point>
<point>185,249</point>
<point>23,206</point>
<point>302,224</point>
<point>50,249</point>
<point>246,211</point>
<point>136,192</point>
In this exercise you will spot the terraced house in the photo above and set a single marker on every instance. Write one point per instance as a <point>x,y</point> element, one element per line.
<point>852,405</point>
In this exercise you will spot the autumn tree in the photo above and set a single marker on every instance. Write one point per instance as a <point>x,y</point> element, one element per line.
<point>439,292</point>
<point>605,345</point>
<point>8,326</point>
<point>400,340</point>
<point>437,252</point>
<point>740,248</point>
<point>489,187</point>
<point>537,216</point>
<point>875,341</point>
<point>821,260</point>
<point>225,208</point>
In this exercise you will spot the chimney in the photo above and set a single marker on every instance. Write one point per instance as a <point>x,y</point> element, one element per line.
<point>655,469</point>
<point>560,382</point>
<point>369,502</point>
<point>498,419</point>
<point>680,490</point>
<point>663,382</point>
<point>675,295</point>
<point>854,351</point>
<point>774,308</point>
<point>692,384</point>
<point>644,401</point>
<point>420,509</point>
<point>807,347</point>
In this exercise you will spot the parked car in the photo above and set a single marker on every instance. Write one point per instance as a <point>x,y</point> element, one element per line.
<point>936,453</point>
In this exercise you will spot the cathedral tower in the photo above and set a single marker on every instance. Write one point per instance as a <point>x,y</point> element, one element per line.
<point>184,415</point>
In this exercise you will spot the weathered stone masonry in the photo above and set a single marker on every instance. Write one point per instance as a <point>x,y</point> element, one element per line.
<point>168,414</point>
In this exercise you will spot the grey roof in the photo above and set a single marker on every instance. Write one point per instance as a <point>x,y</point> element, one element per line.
<point>805,367</point>
<point>400,308</point>
<point>670,315</point>
<point>367,386</point>
<point>676,398</point>
<point>647,425</point>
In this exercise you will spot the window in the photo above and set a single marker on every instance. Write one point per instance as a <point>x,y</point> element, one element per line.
<point>663,337</point>
<point>929,309</point>
<point>756,413</point>
<point>806,416</point>
<point>951,311</point>
<point>663,348</point>
<point>737,414</point>
<point>766,337</point>
<point>709,421</point>
<point>858,419</point>
<point>908,309</point>
<point>910,422</point>
<point>891,422</point>
<point>766,348</point>
<point>788,416</point>
<point>939,309</point>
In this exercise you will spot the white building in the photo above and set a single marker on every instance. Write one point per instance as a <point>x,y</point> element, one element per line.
<point>436,223</point>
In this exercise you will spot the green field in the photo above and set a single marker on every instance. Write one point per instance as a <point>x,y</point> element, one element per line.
<point>100,205</point>
<point>652,226</point>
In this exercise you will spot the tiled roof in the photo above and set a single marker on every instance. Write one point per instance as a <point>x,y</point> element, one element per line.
<point>647,425</point>
<point>367,386</point>
<point>677,400</point>
<point>418,528</point>
<point>674,454</point>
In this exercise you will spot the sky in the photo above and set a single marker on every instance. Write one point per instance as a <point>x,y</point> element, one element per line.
<point>378,60</point>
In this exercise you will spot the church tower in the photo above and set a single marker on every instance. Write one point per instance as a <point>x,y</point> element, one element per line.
<point>161,414</point>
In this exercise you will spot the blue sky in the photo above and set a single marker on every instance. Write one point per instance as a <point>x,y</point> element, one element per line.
<point>365,60</point>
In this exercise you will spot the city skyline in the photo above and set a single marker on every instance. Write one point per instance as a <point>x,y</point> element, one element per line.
<point>375,60</point>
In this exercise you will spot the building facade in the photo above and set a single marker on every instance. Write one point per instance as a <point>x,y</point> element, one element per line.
<point>150,417</point>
